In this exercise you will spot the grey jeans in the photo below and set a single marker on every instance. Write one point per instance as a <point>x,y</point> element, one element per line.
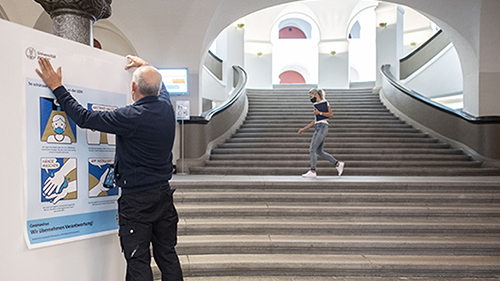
<point>316,147</point>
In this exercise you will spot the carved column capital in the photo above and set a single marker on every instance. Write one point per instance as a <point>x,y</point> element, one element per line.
<point>94,9</point>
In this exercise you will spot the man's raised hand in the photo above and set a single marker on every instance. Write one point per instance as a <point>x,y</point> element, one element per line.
<point>51,78</point>
<point>135,62</point>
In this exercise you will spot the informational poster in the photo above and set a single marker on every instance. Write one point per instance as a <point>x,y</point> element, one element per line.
<point>70,192</point>
<point>182,109</point>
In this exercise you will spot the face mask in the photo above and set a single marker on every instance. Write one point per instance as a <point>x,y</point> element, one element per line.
<point>313,100</point>
<point>59,130</point>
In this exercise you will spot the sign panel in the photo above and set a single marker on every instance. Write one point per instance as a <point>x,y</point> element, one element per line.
<point>182,109</point>
<point>70,191</point>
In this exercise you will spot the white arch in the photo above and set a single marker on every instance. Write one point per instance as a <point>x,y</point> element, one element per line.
<point>298,23</point>
<point>301,20</point>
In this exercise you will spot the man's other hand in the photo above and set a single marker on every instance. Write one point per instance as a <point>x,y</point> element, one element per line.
<point>135,62</point>
<point>48,75</point>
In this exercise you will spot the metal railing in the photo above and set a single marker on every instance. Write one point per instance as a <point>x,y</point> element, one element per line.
<point>214,64</point>
<point>464,115</point>
<point>235,94</point>
<point>423,54</point>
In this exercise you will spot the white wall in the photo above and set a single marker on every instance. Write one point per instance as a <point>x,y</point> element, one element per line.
<point>333,69</point>
<point>417,29</point>
<point>299,55</point>
<point>229,47</point>
<point>259,68</point>
<point>93,259</point>
<point>235,54</point>
<point>389,38</point>
<point>213,88</point>
<point>439,77</point>
<point>489,60</point>
<point>362,51</point>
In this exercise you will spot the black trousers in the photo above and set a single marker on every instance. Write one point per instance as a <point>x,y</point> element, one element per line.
<point>147,217</point>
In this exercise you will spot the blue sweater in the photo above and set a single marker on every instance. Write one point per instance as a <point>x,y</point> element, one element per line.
<point>144,132</point>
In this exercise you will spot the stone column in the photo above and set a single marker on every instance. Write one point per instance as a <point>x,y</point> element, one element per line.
<point>73,19</point>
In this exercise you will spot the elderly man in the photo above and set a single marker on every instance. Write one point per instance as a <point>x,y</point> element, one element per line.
<point>145,134</point>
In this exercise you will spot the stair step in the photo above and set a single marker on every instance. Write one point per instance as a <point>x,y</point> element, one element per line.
<point>354,164</point>
<point>425,227</point>
<point>406,210</point>
<point>359,184</point>
<point>334,134</point>
<point>308,114</point>
<point>327,278</point>
<point>341,120</point>
<point>339,198</point>
<point>339,265</point>
<point>335,151</point>
<point>334,140</point>
<point>332,145</point>
<point>332,127</point>
<point>333,130</point>
<point>340,106</point>
<point>337,245</point>
<point>345,157</point>
<point>349,171</point>
<point>357,120</point>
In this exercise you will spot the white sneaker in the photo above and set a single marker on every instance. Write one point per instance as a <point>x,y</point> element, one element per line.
<point>309,174</point>
<point>340,168</point>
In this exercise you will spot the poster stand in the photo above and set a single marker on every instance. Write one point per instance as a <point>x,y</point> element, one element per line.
<point>182,113</point>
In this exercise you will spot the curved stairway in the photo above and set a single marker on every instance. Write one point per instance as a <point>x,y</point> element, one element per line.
<point>362,227</point>
<point>363,133</point>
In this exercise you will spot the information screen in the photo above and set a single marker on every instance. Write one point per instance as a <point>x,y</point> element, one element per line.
<point>175,79</point>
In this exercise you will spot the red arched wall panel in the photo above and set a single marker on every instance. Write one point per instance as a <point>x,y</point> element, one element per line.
<point>291,77</point>
<point>290,32</point>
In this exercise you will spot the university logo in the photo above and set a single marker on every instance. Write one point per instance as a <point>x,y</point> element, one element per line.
<point>31,53</point>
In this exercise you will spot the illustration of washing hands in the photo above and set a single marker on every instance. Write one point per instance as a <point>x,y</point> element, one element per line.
<point>59,184</point>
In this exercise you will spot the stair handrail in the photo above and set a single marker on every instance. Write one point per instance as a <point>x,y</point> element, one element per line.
<point>235,94</point>
<point>432,46</point>
<point>385,69</point>
<point>214,64</point>
<point>422,46</point>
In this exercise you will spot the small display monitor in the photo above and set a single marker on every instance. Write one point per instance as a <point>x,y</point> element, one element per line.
<point>176,80</point>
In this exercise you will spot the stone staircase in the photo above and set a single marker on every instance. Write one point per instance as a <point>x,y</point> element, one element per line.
<point>362,133</point>
<point>408,208</point>
<point>366,227</point>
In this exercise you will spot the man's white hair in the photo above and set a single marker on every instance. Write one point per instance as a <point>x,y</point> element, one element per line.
<point>148,80</point>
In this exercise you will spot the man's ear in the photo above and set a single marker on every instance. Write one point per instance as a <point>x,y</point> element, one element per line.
<point>133,86</point>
